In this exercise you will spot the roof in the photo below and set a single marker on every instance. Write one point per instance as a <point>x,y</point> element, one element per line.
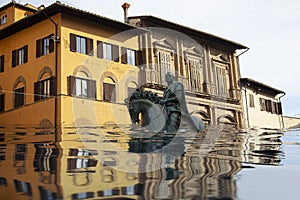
<point>18,6</point>
<point>56,8</point>
<point>261,87</point>
<point>189,31</point>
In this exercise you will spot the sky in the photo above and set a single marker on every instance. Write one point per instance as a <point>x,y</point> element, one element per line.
<point>270,28</point>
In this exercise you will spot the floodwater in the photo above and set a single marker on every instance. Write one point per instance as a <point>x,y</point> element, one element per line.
<point>119,163</point>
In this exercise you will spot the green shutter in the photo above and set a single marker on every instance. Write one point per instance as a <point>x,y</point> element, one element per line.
<point>38,48</point>
<point>115,53</point>
<point>25,54</point>
<point>72,42</point>
<point>37,91</point>
<point>51,43</point>
<point>14,58</point>
<point>89,47</point>
<point>99,49</point>
<point>124,55</point>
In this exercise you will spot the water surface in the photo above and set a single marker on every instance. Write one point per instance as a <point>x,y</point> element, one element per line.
<point>112,162</point>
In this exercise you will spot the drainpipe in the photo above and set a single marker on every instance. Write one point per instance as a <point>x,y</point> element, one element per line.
<point>281,116</point>
<point>246,101</point>
<point>56,40</point>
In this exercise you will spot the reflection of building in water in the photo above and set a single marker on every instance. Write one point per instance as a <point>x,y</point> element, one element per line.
<point>107,163</point>
<point>29,165</point>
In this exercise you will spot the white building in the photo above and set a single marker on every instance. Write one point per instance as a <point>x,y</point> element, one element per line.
<point>262,105</point>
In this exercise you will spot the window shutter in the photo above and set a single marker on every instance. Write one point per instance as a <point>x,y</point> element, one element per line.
<point>99,49</point>
<point>139,60</point>
<point>92,163</point>
<point>89,47</point>
<point>71,85</point>
<point>26,54</point>
<point>124,55</point>
<point>92,89</point>
<point>38,48</point>
<point>37,91</point>
<point>73,152</point>
<point>115,53</point>
<point>106,92</point>
<point>279,108</point>
<point>51,43</point>
<point>112,92</point>
<point>14,58</point>
<point>2,63</point>
<point>53,88</point>
<point>2,99</point>
<point>72,42</point>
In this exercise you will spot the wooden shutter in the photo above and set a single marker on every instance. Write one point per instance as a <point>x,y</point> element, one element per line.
<point>139,60</point>
<point>279,108</point>
<point>89,47</point>
<point>92,163</point>
<point>26,54</point>
<point>106,96</point>
<point>72,42</point>
<point>71,85</point>
<point>14,58</point>
<point>112,93</point>
<point>2,63</point>
<point>53,88</point>
<point>38,48</point>
<point>92,89</point>
<point>51,43</point>
<point>115,53</point>
<point>73,152</point>
<point>2,99</point>
<point>37,91</point>
<point>99,49</point>
<point>124,55</point>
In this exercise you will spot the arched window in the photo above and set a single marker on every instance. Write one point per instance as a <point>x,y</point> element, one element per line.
<point>109,89</point>
<point>131,88</point>
<point>19,92</point>
<point>45,87</point>
<point>81,85</point>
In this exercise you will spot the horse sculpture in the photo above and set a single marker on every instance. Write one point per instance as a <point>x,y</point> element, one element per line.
<point>146,110</point>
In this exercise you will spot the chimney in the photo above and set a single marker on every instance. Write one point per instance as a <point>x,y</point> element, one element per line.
<point>125,7</point>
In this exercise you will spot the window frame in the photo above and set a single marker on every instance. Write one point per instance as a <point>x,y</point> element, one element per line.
<point>45,46</point>
<point>41,92</point>
<point>19,97</point>
<point>20,56</point>
<point>91,87</point>
<point>88,44</point>
<point>108,54</point>
<point>3,19</point>
<point>109,92</point>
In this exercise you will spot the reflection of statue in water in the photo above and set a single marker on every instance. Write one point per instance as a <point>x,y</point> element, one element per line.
<point>167,113</point>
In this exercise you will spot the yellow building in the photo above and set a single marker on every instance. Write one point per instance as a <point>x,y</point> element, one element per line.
<point>63,66</point>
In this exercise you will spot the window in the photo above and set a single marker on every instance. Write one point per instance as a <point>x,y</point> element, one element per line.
<point>19,95</point>
<point>43,89</point>
<point>195,74</point>
<point>2,99</point>
<point>221,81</point>
<point>3,19</point>
<point>44,46</point>
<point>109,90</point>
<point>165,64</point>
<point>81,44</point>
<point>130,57</point>
<point>2,63</point>
<point>23,187</point>
<point>108,51</point>
<point>82,87</point>
<point>251,100</point>
<point>20,56</point>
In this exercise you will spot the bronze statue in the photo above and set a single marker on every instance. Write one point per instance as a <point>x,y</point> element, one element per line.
<point>167,113</point>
